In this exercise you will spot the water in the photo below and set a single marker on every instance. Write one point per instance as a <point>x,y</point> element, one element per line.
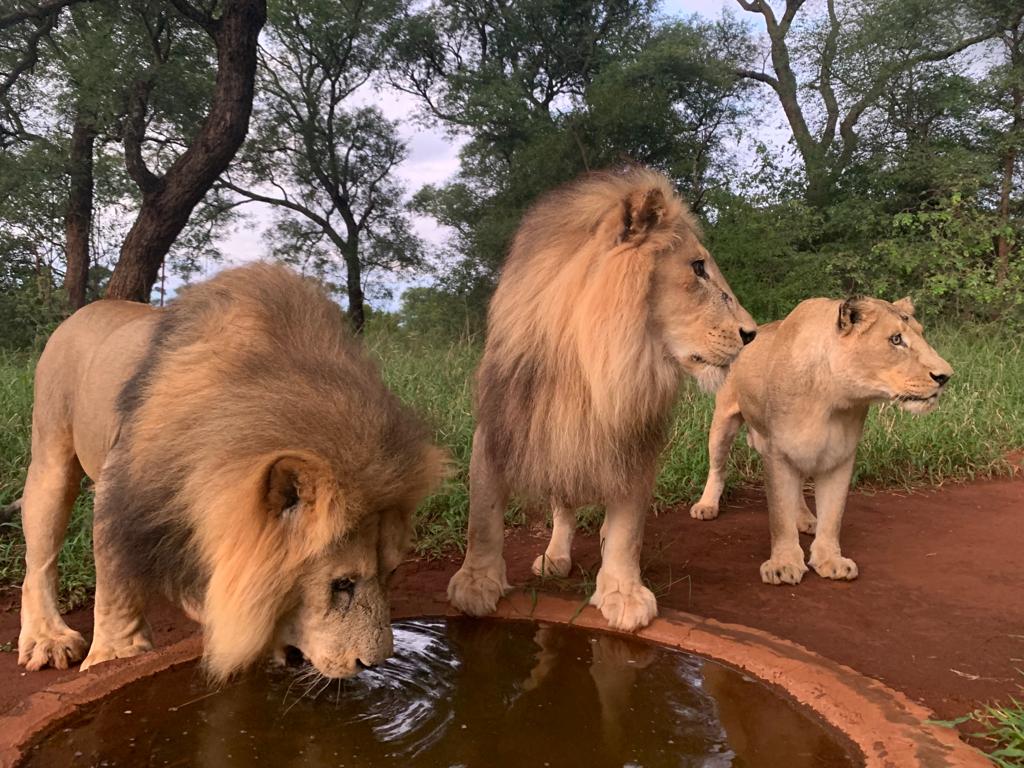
<point>472,693</point>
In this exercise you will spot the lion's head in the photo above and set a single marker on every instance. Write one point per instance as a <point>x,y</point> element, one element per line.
<point>884,356</point>
<point>269,476</point>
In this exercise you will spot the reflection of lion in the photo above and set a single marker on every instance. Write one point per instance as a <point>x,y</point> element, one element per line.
<point>249,463</point>
<point>606,298</point>
<point>804,389</point>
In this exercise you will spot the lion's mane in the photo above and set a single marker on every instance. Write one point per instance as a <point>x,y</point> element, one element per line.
<point>252,364</point>
<point>574,388</point>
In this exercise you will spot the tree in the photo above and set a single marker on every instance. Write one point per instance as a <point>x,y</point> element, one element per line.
<point>545,91</point>
<point>829,72</point>
<point>328,167</point>
<point>168,199</point>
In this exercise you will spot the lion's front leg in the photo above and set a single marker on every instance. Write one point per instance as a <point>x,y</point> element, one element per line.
<point>830,492</point>
<point>50,490</point>
<point>121,630</point>
<point>557,558</point>
<point>478,585</point>
<point>785,502</point>
<point>620,595</point>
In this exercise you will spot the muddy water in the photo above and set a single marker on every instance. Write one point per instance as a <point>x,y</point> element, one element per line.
<point>479,694</point>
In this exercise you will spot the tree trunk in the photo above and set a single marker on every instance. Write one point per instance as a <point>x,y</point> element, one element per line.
<point>78,216</point>
<point>1016,57</point>
<point>354,287</point>
<point>167,201</point>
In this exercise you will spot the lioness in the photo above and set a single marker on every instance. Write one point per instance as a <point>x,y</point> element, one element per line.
<point>249,463</point>
<point>803,389</point>
<point>606,299</point>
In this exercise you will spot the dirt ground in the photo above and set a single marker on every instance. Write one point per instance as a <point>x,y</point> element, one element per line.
<point>938,610</point>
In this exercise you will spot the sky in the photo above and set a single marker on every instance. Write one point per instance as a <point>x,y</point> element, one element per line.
<point>433,158</point>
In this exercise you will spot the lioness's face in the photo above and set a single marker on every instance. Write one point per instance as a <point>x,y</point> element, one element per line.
<point>889,356</point>
<point>342,621</point>
<point>703,324</point>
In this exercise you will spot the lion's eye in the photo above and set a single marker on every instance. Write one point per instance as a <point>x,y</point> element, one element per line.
<point>896,339</point>
<point>343,585</point>
<point>698,269</point>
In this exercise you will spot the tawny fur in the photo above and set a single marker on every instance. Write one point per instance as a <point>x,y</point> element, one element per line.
<point>804,387</point>
<point>252,445</point>
<point>601,307</point>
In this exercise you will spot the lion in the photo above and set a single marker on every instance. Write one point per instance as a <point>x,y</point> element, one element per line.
<point>606,299</point>
<point>249,462</point>
<point>804,389</point>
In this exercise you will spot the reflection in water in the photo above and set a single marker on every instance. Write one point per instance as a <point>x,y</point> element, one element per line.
<point>460,693</point>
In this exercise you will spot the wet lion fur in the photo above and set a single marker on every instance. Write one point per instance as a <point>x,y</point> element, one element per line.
<point>252,365</point>
<point>575,387</point>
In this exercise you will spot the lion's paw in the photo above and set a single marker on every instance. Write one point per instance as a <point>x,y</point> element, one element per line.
<point>555,567</point>
<point>58,648</point>
<point>101,653</point>
<point>476,591</point>
<point>807,522</point>
<point>626,605</point>
<point>834,566</point>
<point>783,570</point>
<point>700,511</point>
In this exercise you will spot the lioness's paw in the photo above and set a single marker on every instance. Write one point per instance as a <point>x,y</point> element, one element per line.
<point>783,570</point>
<point>101,653</point>
<point>807,522</point>
<point>701,511</point>
<point>834,567</point>
<point>555,567</point>
<point>476,591</point>
<point>626,605</point>
<point>58,649</point>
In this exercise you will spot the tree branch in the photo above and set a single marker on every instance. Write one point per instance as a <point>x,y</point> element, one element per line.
<point>40,11</point>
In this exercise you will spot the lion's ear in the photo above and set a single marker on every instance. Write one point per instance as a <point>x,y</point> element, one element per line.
<point>643,212</point>
<point>849,315</point>
<point>905,305</point>
<point>290,479</point>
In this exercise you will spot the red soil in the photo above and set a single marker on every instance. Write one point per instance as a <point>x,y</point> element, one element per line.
<point>938,610</point>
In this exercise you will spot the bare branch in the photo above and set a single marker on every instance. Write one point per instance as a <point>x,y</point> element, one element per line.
<point>36,12</point>
<point>198,17</point>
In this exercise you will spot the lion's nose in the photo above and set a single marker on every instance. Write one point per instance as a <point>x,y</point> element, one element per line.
<point>747,336</point>
<point>940,378</point>
<point>362,665</point>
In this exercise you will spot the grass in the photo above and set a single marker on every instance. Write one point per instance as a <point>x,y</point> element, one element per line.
<point>968,437</point>
<point>1002,726</point>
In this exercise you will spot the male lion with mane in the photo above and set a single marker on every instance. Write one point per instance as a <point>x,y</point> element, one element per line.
<point>804,389</point>
<point>606,298</point>
<point>249,463</point>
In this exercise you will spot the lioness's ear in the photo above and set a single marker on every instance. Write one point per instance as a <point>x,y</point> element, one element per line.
<point>905,305</point>
<point>849,315</point>
<point>289,481</point>
<point>643,211</point>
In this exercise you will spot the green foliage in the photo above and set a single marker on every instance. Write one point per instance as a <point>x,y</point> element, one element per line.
<point>553,89</point>
<point>433,313</point>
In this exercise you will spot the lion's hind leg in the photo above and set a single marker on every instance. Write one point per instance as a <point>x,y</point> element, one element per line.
<point>121,630</point>
<point>557,558</point>
<point>481,581</point>
<point>52,485</point>
<point>724,425</point>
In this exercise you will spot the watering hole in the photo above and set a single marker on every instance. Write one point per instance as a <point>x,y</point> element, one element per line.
<point>460,692</point>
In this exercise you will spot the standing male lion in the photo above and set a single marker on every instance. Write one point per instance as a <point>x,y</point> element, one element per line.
<point>606,298</point>
<point>249,463</point>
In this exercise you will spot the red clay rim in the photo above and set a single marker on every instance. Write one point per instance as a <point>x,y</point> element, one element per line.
<point>889,730</point>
